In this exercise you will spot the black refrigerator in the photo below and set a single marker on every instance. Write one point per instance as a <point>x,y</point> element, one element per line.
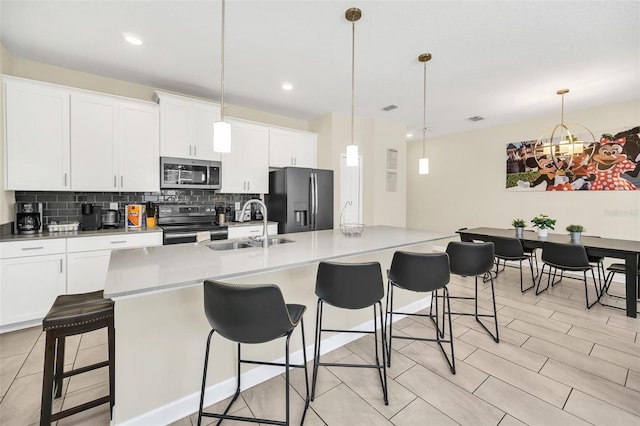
<point>300,199</point>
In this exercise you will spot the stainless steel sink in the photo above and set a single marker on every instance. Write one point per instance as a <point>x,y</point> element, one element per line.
<point>277,240</point>
<point>235,245</point>
<point>231,245</point>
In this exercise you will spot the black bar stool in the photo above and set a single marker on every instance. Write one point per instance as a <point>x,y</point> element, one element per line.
<point>251,314</point>
<point>73,314</point>
<point>420,272</point>
<point>566,257</point>
<point>350,286</point>
<point>472,260</point>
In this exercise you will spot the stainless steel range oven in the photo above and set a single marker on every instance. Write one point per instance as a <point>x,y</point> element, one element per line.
<point>181,223</point>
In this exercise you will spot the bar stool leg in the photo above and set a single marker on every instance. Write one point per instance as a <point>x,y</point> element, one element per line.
<point>383,374</point>
<point>47,379</point>
<point>306,374</point>
<point>316,356</point>
<point>111,338</point>
<point>389,313</point>
<point>59,366</point>
<point>204,377</point>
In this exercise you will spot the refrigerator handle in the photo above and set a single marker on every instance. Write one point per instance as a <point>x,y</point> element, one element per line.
<point>315,204</point>
<point>312,207</point>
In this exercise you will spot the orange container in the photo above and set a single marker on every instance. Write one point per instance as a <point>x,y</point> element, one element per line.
<point>134,215</point>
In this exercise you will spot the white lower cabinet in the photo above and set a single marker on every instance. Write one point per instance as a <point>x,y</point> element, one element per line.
<point>88,257</point>
<point>32,275</point>
<point>251,231</point>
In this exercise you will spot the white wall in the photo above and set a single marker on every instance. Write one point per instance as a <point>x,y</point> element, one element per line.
<point>466,184</point>
<point>373,137</point>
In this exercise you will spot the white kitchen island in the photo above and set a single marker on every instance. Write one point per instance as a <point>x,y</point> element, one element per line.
<point>161,328</point>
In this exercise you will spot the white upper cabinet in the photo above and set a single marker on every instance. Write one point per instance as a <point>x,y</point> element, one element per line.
<point>36,136</point>
<point>139,160</point>
<point>114,144</point>
<point>186,127</point>
<point>288,147</point>
<point>60,138</point>
<point>245,169</point>
<point>94,142</point>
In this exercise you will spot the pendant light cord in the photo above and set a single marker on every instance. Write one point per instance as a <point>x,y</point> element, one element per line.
<point>222,66</point>
<point>424,111</point>
<point>353,73</point>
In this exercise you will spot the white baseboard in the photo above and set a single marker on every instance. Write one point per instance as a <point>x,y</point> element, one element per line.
<point>189,404</point>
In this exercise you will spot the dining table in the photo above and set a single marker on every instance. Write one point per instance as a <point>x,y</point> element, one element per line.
<point>627,250</point>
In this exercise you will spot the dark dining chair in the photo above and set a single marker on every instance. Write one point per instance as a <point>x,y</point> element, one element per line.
<point>474,260</point>
<point>511,250</point>
<point>569,258</point>
<point>614,268</point>
<point>251,314</point>
<point>420,273</point>
<point>350,286</point>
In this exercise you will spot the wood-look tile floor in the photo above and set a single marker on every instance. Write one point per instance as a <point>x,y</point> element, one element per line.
<point>556,364</point>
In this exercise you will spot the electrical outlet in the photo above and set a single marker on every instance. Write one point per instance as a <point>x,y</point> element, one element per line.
<point>113,206</point>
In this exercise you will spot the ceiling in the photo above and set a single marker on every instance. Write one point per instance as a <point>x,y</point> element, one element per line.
<point>502,60</point>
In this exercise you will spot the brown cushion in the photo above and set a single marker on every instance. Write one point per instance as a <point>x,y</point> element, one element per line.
<point>74,309</point>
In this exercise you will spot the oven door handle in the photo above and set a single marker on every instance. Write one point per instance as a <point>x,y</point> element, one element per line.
<point>179,234</point>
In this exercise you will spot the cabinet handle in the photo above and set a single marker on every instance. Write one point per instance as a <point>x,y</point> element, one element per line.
<point>121,181</point>
<point>255,231</point>
<point>115,181</point>
<point>189,149</point>
<point>248,185</point>
<point>118,242</point>
<point>65,180</point>
<point>195,150</point>
<point>60,265</point>
<point>32,248</point>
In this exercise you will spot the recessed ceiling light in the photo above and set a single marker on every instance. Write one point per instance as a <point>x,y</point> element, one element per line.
<point>287,86</point>
<point>133,39</point>
<point>409,135</point>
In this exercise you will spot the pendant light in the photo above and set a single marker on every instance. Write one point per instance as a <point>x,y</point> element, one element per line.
<point>222,129</point>
<point>562,145</point>
<point>423,163</point>
<point>353,14</point>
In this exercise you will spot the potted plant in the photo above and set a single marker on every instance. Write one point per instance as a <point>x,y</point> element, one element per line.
<point>575,231</point>
<point>543,223</point>
<point>519,224</point>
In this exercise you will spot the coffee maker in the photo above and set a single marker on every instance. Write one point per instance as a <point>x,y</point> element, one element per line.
<point>28,218</point>
<point>91,217</point>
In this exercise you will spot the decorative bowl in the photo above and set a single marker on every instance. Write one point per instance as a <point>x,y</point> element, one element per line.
<point>351,229</point>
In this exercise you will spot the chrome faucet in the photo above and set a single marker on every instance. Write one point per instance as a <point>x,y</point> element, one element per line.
<point>265,237</point>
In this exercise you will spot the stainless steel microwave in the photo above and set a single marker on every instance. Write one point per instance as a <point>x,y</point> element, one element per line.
<point>187,173</point>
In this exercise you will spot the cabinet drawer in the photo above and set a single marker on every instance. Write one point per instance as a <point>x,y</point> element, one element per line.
<point>32,248</point>
<point>113,242</point>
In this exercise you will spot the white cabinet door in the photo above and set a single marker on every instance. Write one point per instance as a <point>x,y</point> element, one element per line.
<point>138,147</point>
<point>256,159</point>
<point>29,286</point>
<point>288,147</point>
<point>203,118</point>
<point>94,149</point>
<point>87,271</point>
<point>186,127</point>
<point>246,168</point>
<point>36,136</point>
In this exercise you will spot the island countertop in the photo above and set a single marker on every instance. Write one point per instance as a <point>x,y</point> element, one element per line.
<point>140,271</point>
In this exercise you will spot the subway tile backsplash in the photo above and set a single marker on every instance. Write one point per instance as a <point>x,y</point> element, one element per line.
<point>63,207</point>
